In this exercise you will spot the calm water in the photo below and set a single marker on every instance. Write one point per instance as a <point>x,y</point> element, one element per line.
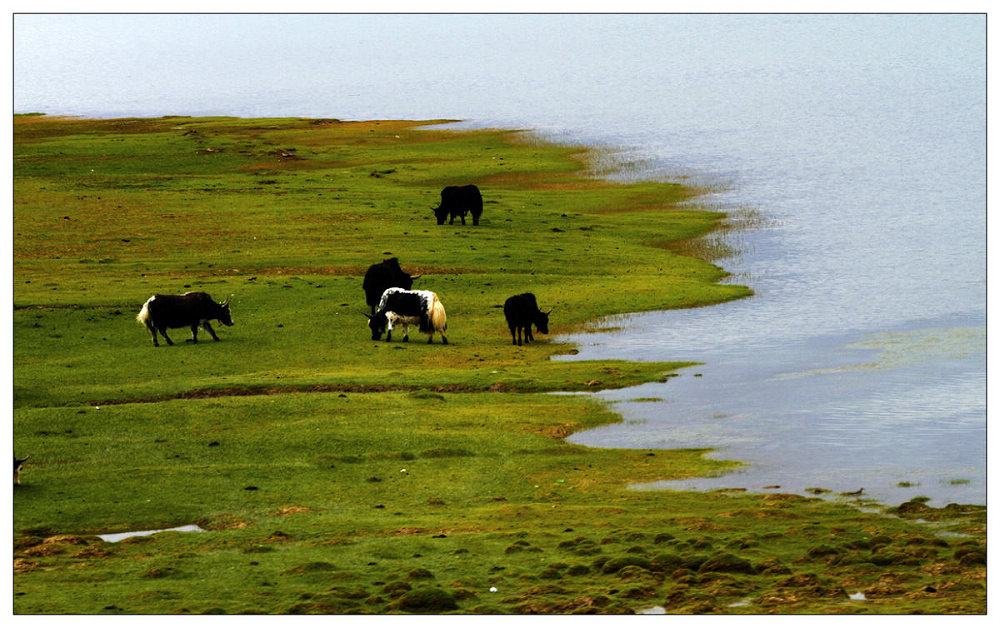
<point>857,143</point>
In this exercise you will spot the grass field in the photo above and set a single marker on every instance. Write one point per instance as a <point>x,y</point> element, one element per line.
<point>334,474</point>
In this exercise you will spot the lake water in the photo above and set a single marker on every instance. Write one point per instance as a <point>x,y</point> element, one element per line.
<point>856,144</point>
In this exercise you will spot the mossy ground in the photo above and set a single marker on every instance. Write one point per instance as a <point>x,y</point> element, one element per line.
<point>338,475</point>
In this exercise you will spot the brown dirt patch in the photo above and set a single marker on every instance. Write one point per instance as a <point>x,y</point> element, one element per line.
<point>68,539</point>
<point>23,566</point>
<point>45,550</point>
<point>92,551</point>
<point>409,530</point>
<point>559,432</point>
<point>291,510</point>
<point>584,604</point>
<point>780,498</point>
<point>278,537</point>
<point>224,522</point>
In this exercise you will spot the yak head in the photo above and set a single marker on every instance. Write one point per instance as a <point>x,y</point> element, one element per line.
<point>223,314</point>
<point>441,213</point>
<point>378,324</point>
<point>542,322</point>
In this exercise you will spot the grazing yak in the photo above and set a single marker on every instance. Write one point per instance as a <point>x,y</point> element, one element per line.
<point>191,309</point>
<point>407,307</point>
<point>458,201</point>
<point>382,276</point>
<point>521,312</point>
<point>17,468</point>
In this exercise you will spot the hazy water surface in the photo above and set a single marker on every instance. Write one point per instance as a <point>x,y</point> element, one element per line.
<point>856,142</point>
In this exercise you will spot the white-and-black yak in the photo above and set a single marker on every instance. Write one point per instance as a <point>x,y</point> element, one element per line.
<point>408,307</point>
<point>382,276</point>
<point>191,309</point>
<point>459,200</point>
<point>522,312</point>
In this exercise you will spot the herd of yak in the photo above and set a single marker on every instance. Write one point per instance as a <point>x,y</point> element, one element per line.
<point>388,292</point>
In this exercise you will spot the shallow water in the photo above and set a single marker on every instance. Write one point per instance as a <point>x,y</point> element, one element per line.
<point>890,414</point>
<point>121,536</point>
<point>856,142</point>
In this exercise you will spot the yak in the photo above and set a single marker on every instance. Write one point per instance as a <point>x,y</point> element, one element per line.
<point>191,309</point>
<point>521,312</point>
<point>407,307</point>
<point>382,276</point>
<point>459,200</point>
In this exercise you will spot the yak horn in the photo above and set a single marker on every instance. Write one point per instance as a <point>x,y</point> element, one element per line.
<point>369,316</point>
<point>416,276</point>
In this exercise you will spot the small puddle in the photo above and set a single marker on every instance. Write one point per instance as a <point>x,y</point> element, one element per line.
<point>114,538</point>
<point>656,610</point>
<point>857,596</point>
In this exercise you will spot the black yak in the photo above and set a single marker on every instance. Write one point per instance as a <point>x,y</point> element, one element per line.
<point>521,312</point>
<point>191,309</point>
<point>382,276</point>
<point>458,201</point>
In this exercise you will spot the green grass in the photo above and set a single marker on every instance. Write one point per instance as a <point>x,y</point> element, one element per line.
<point>334,474</point>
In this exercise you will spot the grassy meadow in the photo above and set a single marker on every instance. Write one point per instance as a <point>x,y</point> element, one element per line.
<point>333,474</point>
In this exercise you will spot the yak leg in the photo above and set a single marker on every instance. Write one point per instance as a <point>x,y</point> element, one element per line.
<point>430,338</point>
<point>205,325</point>
<point>194,333</point>
<point>152,330</point>
<point>163,332</point>
<point>513,334</point>
<point>528,336</point>
<point>406,332</point>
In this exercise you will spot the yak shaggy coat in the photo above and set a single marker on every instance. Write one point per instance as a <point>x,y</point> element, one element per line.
<point>408,307</point>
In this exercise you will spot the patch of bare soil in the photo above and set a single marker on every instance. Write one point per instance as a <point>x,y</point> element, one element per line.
<point>224,522</point>
<point>291,510</point>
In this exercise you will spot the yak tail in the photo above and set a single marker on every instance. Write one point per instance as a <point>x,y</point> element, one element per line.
<point>439,320</point>
<point>143,316</point>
